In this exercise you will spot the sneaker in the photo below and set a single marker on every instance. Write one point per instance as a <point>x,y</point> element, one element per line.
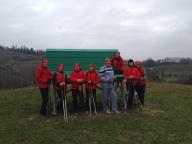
<point>141,106</point>
<point>76,114</point>
<point>108,112</point>
<point>43,116</point>
<point>86,112</point>
<point>117,112</point>
<point>95,113</point>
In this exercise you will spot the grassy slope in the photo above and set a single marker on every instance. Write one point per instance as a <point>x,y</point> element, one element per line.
<point>166,120</point>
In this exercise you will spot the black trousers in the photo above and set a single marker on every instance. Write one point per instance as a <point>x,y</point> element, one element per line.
<point>140,89</point>
<point>44,95</point>
<point>131,91</point>
<point>59,106</point>
<point>78,107</point>
<point>87,99</point>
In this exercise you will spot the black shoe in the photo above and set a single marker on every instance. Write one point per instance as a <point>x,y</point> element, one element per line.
<point>129,110</point>
<point>43,115</point>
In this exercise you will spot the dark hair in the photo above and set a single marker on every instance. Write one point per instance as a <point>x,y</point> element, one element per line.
<point>130,60</point>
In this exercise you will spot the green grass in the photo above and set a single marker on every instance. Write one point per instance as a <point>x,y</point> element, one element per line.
<point>167,119</point>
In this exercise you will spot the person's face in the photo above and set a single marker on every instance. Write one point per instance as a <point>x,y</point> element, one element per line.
<point>91,68</point>
<point>137,65</point>
<point>76,68</point>
<point>60,68</point>
<point>45,63</point>
<point>130,64</point>
<point>117,54</point>
<point>108,62</point>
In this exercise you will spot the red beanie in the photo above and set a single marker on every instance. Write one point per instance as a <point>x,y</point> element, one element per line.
<point>76,65</point>
<point>60,65</point>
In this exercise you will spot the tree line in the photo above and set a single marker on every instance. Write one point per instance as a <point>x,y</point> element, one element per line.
<point>167,61</point>
<point>25,50</point>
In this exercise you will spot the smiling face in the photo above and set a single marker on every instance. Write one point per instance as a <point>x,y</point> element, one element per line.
<point>117,54</point>
<point>91,68</point>
<point>108,62</point>
<point>60,68</point>
<point>45,63</point>
<point>130,64</point>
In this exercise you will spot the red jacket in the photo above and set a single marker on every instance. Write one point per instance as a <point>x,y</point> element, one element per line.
<point>130,71</point>
<point>74,76</point>
<point>59,77</point>
<point>43,75</point>
<point>93,77</point>
<point>139,75</point>
<point>117,63</point>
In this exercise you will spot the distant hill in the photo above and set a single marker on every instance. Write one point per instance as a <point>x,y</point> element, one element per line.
<point>17,69</point>
<point>177,73</point>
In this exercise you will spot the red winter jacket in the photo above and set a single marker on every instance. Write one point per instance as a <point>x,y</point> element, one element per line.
<point>74,76</point>
<point>117,63</point>
<point>59,77</point>
<point>43,75</point>
<point>130,71</point>
<point>139,76</point>
<point>93,77</point>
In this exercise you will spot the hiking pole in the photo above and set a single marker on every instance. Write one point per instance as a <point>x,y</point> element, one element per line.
<point>82,97</point>
<point>90,102</point>
<point>93,101</point>
<point>54,102</point>
<point>49,100</point>
<point>125,95</point>
<point>135,97</point>
<point>64,104</point>
<point>136,102</point>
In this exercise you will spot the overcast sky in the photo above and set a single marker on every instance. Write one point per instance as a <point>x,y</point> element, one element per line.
<point>140,29</point>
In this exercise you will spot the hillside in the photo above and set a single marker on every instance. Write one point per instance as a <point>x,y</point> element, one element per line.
<point>166,119</point>
<point>177,73</point>
<point>17,69</point>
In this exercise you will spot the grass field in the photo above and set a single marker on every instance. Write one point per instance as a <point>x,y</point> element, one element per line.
<point>167,119</point>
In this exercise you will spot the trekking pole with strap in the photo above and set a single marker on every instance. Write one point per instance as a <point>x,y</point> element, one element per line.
<point>49,100</point>
<point>125,95</point>
<point>93,100</point>
<point>136,99</point>
<point>64,104</point>
<point>54,102</point>
<point>90,105</point>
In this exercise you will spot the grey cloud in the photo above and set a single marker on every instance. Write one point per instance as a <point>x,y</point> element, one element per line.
<point>138,28</point>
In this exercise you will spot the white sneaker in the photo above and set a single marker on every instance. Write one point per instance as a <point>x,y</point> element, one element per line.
<point>108,112</point>
<point>117,112</point>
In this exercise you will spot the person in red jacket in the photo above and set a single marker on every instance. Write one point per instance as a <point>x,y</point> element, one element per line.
<point>140,81</point>
<point>43,77</point>
<point>117,63</point>
<point>92,79</point>
<point>118,68</point>
<point>77,78</point>
<point>129,75</point>
<point>60,84</point>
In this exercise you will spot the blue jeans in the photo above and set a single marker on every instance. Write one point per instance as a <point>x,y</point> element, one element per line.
<point>108,93</point>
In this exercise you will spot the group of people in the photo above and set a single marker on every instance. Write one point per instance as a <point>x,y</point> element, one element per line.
<point>114,70</point>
